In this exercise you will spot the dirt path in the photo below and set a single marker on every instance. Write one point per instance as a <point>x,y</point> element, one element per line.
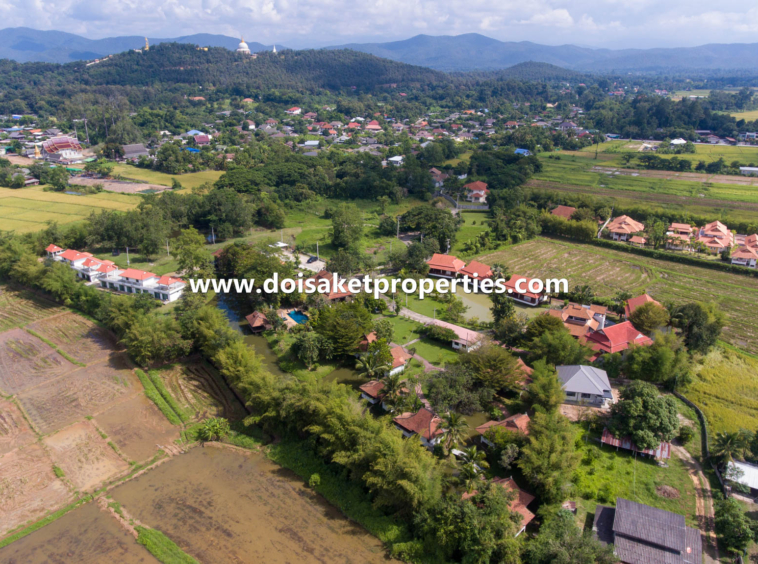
<point>704,503</point>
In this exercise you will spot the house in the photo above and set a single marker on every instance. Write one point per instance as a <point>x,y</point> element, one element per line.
<point>202,139</point>
<point>293,111</point>
<point>64,150</point>
<point>749,171</point>
<point>522,152</point>
<point>745,256</point>
<point>372,391</point>
<point>563,211</point>
<point>465,339</point>
<point>661,452</point>
<point>519,503</point>
<point>366,341</point>
<point>716,237</point>
<point>53,250</point>
<point>328,285</point>
<point>134,281</point>
<point>678,242</point>
<point>400,358</point>
<point>638,241</point>
<point>622,228</point>
<point>476,192</point>
<point>445,266</point>
<point>634,303</point>
<point>641,534</point>
<point>518,289</point>
<point>616,338</point>
<point>423,423</point>
<point>258,322</point>
<point>373,125</point>
<point>311,115</point>
<point>135,151</point>
<point>680,229</point>
<point>586,385</point>
<point>518,423</point>
<point>579,319</point>
<point>477,270</point>
<point>748,475</point>
<point>396,161</point>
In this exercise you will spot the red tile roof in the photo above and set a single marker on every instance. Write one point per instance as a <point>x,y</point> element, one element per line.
<point>53,248</point>
<point>399,356</point>
<point>625,224</point>
<point>752,241</point>
<point>71,254</point>
<point>745,253</point>
<point>564,211</point>
<point>258,319</point>
<point>518,504</point>
<point>477,186</point>
<point>424,422</point>
<point>511,284</point>
<point>61,144</point>
<point>372,389</point>
<point>518,422</point>
<point>446,262</point>
<point>168,280</point>
<point>480,269</point>
<point>366,341</point>
<point>331,294</point>
<point>634,303</point>
<point>135,274</point>
<point>616,338</point>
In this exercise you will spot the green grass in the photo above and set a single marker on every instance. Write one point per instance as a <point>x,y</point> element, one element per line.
<point>58,472</point>
<point>157,381</point>
<point>162,547</point>
<point>405,329</point>
<point>349,497</point>
<point>61,352</point>
<point>157,398</point>
<point>435,352</point>
<point>188,181</point>
<point>465,156</point>
<point>281,344</point>
<point>607,272</point>
<point>42,522</point>
<point>618,474</point>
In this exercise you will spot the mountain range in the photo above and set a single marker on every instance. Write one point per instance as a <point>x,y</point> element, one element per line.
<point>24,44</point>
<point>467,52</point>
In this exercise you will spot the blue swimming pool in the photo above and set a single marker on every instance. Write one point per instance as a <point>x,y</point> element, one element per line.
<point>298,316</point>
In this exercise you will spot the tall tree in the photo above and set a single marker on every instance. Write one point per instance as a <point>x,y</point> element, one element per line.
<point>648,317</point>
<point>347,226</point>
<point>644,416</point>
<point>545,392</point>
<point>559,348</point>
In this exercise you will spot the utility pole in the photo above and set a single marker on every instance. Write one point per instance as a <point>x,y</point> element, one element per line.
<point>317,257</point>
<point>213,236</point>
<point>127,256</point>
<point>398,227</point>
<point>448,246</point>
<point>167,251</point>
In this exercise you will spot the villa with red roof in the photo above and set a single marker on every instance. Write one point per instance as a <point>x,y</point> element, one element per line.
<point>634,303</point>
<point>751,241</point>
<point>64,150</point>
<point>681,229</point>
<point>445,266</point>
<point>624,227</point>
<point>563,211</point>
<point>476,192</point>
<point>580,320</point>
<point>518,289</point>
<point>477,270</point>
<point>325,286</point>
<point>53,250</point>
<point>745,256</point>
<point>372,391</point>
<point>616,338</point>
<point>400,358</point>
<point>465,339</point>
<point>293,111</point>
<point>423,423</point>
<point>716,237</point>
<point>519,503</point>
<point>518,423</point>
<point>373,125</point>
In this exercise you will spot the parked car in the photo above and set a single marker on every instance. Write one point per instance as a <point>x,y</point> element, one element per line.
<point>115,252</point>
<point>312,260</point>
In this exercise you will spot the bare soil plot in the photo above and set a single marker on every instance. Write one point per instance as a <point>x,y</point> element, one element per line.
<point>85,391</point>
<point>79,337</point>
<point>209,500</point>
<point>85,457</point>
<point>26,361</point>
<point>137,427</point>
<point>14,430</point>
<point>85,535</point>
<point>28,487</point>
<point>671,175</point>
<point>119,186</point>
<point>199,388</point>
<point>19,307</point>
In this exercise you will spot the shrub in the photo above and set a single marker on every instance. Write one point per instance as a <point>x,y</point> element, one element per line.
<point>314,481</point>
<point>686,434</point>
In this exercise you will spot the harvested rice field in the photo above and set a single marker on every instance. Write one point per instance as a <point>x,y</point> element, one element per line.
<point>81,338</point>
<point>19,307</point>
<point>27,361</point>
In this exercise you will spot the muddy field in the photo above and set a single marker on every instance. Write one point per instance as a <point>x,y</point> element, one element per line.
<point>200,389</point>
<point>224,507</point>
<point>84,456</point>
<point>14,430</point>
<point>29,488</point>
<point>138,427</point>
<point>19,307</point>
<point>79,337</point>
<point>26,361</point>
<point>85,391</point>
<point>86,535</point>
<point>119,186</point>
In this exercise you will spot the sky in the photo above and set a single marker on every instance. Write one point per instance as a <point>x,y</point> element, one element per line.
<point>318,23</point>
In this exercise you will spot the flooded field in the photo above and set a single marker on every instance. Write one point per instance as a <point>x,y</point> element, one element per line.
<point>222,506</point>
<point>86,534</point>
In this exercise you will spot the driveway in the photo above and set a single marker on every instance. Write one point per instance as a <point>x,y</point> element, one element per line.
<point>314,266</point>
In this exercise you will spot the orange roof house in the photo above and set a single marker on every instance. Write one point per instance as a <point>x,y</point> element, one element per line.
<point>622,228</point>
<point>135,274</point>
<point>519,503</point>
<point>372,391</point>
<point>423,423</point>
<point>258,322</point>
<point>324,280</point>
<point>716,237</point>
<point>563,211</point>
<point>518,423</point>
<point>616,338</point>
<point>399,357</point>
<point>447,266</point>
<point>580,320</point>
<point>477,186</point>
<point>477,270</point>
<point>681,229</point>
<point>634,303</point>
<point>524,295</point>
<point>745,256</point>
<point>366,341</point>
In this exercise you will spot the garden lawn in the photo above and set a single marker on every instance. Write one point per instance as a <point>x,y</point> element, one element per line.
<point>618,474</point>
<point>159,264</point>
<point>281,344</point>
<point>435,352</point>
<point>405,329</point>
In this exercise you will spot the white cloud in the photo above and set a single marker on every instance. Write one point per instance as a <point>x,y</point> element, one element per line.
<point>557,18</point>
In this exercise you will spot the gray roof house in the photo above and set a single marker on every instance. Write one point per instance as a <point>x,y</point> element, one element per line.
<point>585,384</point>
<point>645,535</point>
<point>135,151</point>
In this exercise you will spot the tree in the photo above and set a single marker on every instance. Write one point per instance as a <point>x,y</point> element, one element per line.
<point>644,416</point>
<point>384,329</point>
<point>549,457</point>
<point>214,429</point>
<point>455,389</point>
<point>60,281</point>
<point>656,234</point>
<point>455,427</point>
<point>347,226</point>
<point>502,307</point>
<point>561,542</point>
<point>307,347</point>
<point>376,361</point>
<point>342,325</point>
<point>510,330</point>
<point>665,361</point>
<point>728,446</point>
<point>474,456</point>
<point>191,256</point>
<point>559,348</point>
<point>732,525</point>
<point>648,317</point>
<point>455,309</point>
<point>542,324</point>
<point>701,324</point>
<point>508,456</point>
<point>545,392</point>
<point>493,367</point>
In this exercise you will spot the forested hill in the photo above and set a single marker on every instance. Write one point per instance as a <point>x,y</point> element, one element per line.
<point>535,72</point>
<point>217,67</point>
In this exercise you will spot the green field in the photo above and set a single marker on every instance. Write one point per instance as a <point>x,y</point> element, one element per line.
<point>188,181</point>
<point>706,153</point>
<point>747,116</point>
<point>27,210</point>
<point>608,272</point>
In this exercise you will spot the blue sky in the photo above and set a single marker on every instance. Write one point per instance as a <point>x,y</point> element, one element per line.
<point>313,23</point>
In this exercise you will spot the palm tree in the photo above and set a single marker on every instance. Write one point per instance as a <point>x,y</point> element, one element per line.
<point>455,427</point>
<point>468,477</point>
<point>369,366</point>
<point>499,271</point>
<point>727,445</point>
<point>393,386</point>
<point>473,455</point>
<point>411,403</point>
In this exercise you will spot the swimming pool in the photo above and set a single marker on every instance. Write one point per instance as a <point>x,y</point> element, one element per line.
<point>298,316</point>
